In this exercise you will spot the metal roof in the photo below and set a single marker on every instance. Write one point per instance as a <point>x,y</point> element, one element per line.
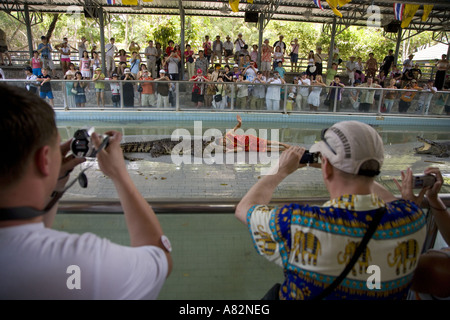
<point>354,13</point>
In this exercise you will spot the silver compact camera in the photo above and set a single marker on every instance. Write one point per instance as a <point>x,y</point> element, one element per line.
<point>82,145</point>
<point>423,181</point>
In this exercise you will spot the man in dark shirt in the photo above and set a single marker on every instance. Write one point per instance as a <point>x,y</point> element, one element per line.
<point>387,62</point>
<point>46,87</point>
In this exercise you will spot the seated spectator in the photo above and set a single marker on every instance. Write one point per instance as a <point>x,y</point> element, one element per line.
<point>44,264</point>
<point>313,244</point>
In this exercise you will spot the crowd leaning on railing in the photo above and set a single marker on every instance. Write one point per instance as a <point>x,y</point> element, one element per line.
<point>217,64</point>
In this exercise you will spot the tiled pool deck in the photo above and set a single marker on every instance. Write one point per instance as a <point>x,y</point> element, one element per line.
<point>162,180</point>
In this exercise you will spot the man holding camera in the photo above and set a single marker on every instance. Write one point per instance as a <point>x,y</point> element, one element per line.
<point>38,262</point>
<point>314,244</point>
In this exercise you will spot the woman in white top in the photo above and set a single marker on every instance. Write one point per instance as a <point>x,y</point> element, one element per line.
<point>64,50</point>
<point>85,66</point>
<point>95,62</point>
<point>314,97</point>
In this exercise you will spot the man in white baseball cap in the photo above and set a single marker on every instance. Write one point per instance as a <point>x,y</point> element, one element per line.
<point>314,244</point>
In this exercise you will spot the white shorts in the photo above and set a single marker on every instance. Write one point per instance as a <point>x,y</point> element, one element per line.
<point>85,74</point>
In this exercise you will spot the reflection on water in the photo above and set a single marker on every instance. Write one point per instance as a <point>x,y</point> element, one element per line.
<point>295,133</point>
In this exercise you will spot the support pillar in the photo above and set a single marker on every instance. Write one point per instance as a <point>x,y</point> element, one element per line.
<point>397,46</point>
<point>260,38</point>
<point>182,45</point>
<point>29,33</point>
<point>101,22</point>
<point>330,51</point>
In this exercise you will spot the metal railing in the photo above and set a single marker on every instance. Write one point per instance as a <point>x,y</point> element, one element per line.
<point>248,97</point>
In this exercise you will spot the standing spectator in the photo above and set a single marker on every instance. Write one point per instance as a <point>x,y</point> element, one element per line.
<point>351,68</point>
<point>201,63</point>
<point>331,73</point>
<point>280,43</point>
<point>177,50</point>
<point>85,66</point>
<point>273,94</point>
<point>170,48</point>
<point>148,98</point>
<point>128,89</point>
<point>277,56</point>
<point>367,96</point>
<point>388,61</point>
<point>319,57</point>
<point>220,96</point>
<point>281,70</point>
<point>70,91</point>
<point>304,83</point>
<point>259,92</point>
<point>314,96</point>
<point>207,49</point>
<point>81,47</point>
<point>79,85</point>
<point>162,90</point>
<point>359,75</point>
<point>228,49</point>
<point>135,62</point>
<point>312,243</point>
<point>254,53</point>
<point>408,64</point>
<point>4,49</point>
<point>123,61</point>
<point>31,80</point>
<point>46,87</point>
<point>36,63</point>
<point>159,53</point>
<point>423,104</point>
<point>45,49</point>
<point>190,63</point>
<point>390,95</point>
<point>242,92</point>
<point>134,46</point>
<point>198,90</point>
<point>151,54</point>
<point>217,50</point>
<point>294,55</point>
<point>95,61</point>
<point>311,69</point>
<point>407,96</point>
<point>335,92</point>
<point>173,61</point>
<point>64,50</point>
<point>371,66</point>
<point>443,66</point>
<point>266,58</point>
<point>115,90</point>
<point>239,44</point>
<point>110,53</point>
<point>99,87</point>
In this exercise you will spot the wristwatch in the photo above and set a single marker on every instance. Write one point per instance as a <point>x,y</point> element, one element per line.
<point>166,243</point>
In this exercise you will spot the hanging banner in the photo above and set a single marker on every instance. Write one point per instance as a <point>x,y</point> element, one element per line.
<point>426,11</point>
<point>130,2</point>
<point>234,4</point>
<point>408,15</point>
<point>398,11</point>
<point>335,3</point>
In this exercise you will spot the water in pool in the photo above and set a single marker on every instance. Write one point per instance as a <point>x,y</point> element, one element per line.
<point>161,179</point>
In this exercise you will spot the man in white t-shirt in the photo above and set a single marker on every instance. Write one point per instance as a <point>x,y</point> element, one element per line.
<point>41,263</point>
<point>110,52</point>
<point>301,100</point>
<point>273,94</point>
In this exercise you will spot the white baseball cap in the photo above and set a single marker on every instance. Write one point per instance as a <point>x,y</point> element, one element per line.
<point>348,144</point>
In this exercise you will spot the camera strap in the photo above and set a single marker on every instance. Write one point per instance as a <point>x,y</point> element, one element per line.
<point>19,213</point>
<point>359,250</point>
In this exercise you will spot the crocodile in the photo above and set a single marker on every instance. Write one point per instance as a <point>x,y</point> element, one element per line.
<point>165,146</point>
<point>439,149</point>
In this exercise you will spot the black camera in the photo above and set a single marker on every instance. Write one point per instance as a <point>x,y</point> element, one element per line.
<point>309,157</point>
<point>82,145</point>
<point>423,181</point>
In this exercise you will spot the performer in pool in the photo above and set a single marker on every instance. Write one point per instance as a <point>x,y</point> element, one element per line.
<point>233,142</point>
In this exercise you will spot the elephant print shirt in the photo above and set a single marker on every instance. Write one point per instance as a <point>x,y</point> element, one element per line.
<point>314,244</point>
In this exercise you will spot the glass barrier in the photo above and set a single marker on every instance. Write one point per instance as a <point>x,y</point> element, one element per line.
<point>271,96</point>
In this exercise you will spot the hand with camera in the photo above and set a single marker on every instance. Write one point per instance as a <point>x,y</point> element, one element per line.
<point>407,185</point>
<point>69,162</point>
<point>110,159</point>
